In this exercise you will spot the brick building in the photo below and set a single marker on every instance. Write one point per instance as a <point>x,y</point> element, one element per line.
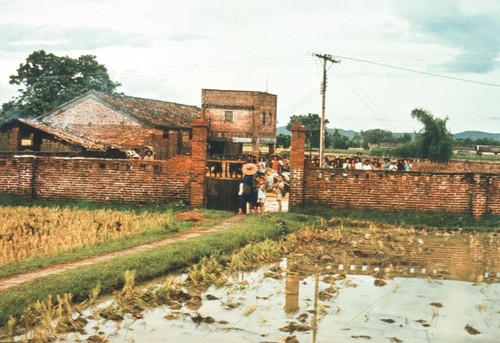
<point>238,120</point>
<point>101,125</point>
<point>104,125</point>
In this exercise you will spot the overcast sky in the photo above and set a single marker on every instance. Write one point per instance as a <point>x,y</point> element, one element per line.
<point>395,55</point>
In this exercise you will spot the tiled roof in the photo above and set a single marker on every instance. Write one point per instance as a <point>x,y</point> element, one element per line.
<point>70,136</point>
<point>154,113</point>
<point>148,112</point>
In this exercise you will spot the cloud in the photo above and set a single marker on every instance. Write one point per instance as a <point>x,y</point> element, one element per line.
<point>470,31</point>
<point>186,36</point>
<point>18,38</point>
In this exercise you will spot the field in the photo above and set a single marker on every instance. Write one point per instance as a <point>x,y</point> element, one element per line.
<point>30,232</point>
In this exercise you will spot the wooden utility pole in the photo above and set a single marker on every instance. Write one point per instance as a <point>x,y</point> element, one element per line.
<point>325,58</point>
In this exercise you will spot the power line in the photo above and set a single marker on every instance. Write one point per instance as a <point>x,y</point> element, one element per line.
<point>364,98</point>
<point>306,99</point>
<point>421,72</point>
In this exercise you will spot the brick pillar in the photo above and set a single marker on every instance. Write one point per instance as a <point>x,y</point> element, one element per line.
<point>297,164</point>
<point>479,196</point>
<point>199,160</point>
<point>173,143</point>
<point>26,168</point>
<point>14,139</point>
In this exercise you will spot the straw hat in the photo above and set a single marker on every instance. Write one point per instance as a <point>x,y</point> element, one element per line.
<point>249,168</point>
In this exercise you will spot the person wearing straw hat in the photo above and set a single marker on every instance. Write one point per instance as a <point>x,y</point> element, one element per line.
<point>248,170</point>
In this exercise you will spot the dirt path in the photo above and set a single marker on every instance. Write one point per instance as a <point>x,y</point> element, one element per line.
<point>15,280</point>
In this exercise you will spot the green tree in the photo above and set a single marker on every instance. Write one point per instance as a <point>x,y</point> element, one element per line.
<point>312,122</point>
<point>434,141</point>
<point>376,136</point>
<point>48,81</point>
<point>340,141</point>
<point>283,140</point>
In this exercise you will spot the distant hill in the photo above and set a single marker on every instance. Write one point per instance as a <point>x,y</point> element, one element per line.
<point>348,133</point>
<point>477,135</point>
<point>351,133</point>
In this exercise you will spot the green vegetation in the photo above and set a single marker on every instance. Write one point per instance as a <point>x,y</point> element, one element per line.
<point>148,264</point>
<point>49,81</point>
<point>146,235</point>
<point>413,219</point>
<point>109,276</point>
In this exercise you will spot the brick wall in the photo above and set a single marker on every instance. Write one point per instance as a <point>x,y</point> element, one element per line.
<point>5,141</point>
<point>97,179</point>
<point>477,194</point>
<point>102,180</point>
<point>458,167</point>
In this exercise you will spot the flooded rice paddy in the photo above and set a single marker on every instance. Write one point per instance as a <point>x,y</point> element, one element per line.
<point>330,285</point>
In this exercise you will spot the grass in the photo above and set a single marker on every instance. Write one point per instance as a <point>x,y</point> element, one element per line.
<point>148,264</point>
<point>109,276</point>
<point>151,234</point>
<point>415,219</point>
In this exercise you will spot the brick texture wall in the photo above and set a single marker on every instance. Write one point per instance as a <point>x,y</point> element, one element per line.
<point>5,141</point>
<point>111,126</point>
<point>254,113</point>
<point>98,180</point>
<point>102,180</point>
<point>458,167</point>
<point>477,194</point>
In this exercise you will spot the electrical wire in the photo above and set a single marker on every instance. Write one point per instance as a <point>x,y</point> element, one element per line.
<point>420,72</point>
<point>365,99</point>
<point>306,99</point>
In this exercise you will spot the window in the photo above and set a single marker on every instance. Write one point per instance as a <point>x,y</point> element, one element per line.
<point>27,139</point>
<point>228,116</point>
<point>270,118</point>
<point>165,133</point>
<point>263,118</point>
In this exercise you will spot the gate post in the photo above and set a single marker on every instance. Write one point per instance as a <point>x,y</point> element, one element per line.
<point>479,196</point>
<point>198,160</point>
<point>297,164</point>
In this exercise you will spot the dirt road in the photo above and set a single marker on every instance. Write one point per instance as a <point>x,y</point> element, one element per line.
<point>15,280</point>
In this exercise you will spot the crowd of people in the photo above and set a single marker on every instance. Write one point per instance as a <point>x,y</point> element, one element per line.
<point>359,163</point>
<point>258,179</point>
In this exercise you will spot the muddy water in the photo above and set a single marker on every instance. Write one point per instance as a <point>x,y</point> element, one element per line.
<point>441,288</point>
<point>262,309</point>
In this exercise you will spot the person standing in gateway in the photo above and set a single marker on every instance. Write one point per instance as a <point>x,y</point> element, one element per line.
<point>248,170</point>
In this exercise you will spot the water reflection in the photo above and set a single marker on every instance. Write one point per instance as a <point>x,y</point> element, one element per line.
<point>426,290</point>
<point>292,293</point>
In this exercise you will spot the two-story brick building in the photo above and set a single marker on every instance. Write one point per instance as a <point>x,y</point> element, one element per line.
<point>240,118</point>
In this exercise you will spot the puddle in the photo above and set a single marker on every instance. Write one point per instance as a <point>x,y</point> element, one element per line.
<point>319,308</point>
<point>335,285</point>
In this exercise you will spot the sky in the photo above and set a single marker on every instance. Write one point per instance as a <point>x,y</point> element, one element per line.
<point>394,55</point>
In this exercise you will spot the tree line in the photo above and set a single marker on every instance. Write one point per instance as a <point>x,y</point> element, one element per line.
<point>434,141</point>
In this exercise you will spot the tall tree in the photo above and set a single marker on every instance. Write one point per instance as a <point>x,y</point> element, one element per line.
<point>376,136</point>
<point>434,141</point>
<point>312,122</point>
<point>48,81</point>
<point>340,141</point>
<point>283,140</point>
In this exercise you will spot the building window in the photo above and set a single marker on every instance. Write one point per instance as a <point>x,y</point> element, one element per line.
<point>165,133</point>
<point>263,118</point>
<point>27,139</point>
<point>228,116</point>
<point>270,118</point>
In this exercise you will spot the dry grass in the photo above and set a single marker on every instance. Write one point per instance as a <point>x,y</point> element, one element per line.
<point>27,232</point>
